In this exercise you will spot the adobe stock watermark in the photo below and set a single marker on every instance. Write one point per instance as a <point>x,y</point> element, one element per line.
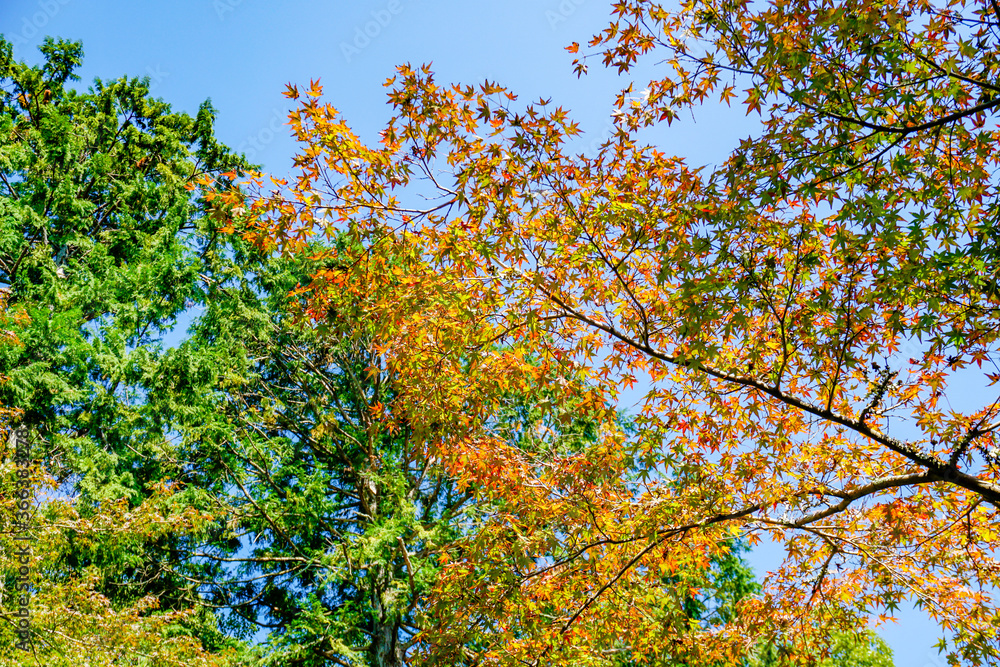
<point>21,530</point>
<point>563,12</point>
<point>255,143</point>
<point>33,25</point>
<point>363,35</point>
<point>156,76</point>
<point>223,7</point>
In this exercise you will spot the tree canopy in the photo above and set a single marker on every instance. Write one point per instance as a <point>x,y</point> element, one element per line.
<point>805,314</point>
<point>392,433</point>
<point>102,248</point>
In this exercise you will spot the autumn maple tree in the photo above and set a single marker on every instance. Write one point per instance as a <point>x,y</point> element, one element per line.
<point>807,318</point>
<point>256,477</point>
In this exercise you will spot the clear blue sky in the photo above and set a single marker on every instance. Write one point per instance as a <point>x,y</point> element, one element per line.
<point>241,53</point>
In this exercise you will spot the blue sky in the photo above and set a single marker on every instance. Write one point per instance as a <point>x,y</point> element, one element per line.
<point>242,53</point>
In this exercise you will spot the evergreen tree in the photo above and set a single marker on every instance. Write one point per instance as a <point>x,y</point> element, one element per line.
<point>102,248</point>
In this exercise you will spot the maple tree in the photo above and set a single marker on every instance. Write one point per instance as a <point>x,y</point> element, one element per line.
<point>334,517</point>
<point>278,474</point>
<point>336,520</point>
<point>804,315</point>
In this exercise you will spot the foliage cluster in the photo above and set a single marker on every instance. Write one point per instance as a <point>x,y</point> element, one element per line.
<point>390,434</point>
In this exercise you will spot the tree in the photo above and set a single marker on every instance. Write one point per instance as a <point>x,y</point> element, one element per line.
<point>75,610</point>
<point>102,248</point>
<point>803,314</point>
<point>106,246</point>
<point>101,245</point>
<point>336,518</point>
<point>333,516</point>
<point>66,612</point>
<point>847,650</point>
